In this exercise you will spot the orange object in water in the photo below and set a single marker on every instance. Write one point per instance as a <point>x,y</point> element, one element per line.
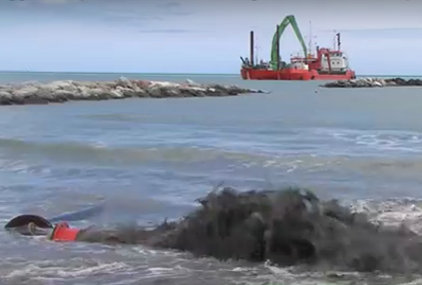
<point>62,232</point>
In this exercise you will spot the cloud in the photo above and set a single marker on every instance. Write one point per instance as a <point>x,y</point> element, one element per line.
<point>167,31</point>
<point>169,5</point>
<point>135,15</point>
<point>130,18</point>
<point>55,1</point>
<point>174,8</point>
<point>386,33</point>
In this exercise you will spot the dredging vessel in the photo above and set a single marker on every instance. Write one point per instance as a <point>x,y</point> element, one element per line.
<point>327,64</point>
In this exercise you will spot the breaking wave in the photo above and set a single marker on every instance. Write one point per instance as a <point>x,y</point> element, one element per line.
<point>290,227</point>
<point>381,140</point>
<point>97,153</point>
<point>380,245</point>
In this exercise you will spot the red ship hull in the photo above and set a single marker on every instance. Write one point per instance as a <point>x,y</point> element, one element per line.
<point>293,74</point>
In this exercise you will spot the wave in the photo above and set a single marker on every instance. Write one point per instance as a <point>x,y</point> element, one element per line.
<point>291,227</point>
<point>123,265</point>
<point>100,153</point>
<point>14,153</point>
<point>384,140</point>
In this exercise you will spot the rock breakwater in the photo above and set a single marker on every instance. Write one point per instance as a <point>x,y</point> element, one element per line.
<point>70,90</point>
<point>373,82</point>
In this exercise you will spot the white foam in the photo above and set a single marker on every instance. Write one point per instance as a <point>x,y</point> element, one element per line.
<point>377,139</point>
<point>34,270</point>
<point>393,212</point>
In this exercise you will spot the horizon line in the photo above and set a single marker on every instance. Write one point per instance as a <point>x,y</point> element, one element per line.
<point>176,73</point>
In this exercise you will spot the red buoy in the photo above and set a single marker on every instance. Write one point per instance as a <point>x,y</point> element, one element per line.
<point>62,232</point>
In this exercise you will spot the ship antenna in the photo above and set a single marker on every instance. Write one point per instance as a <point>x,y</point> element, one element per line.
<point>310,37</point>
<point>338,41</point>
<point>256,49</point>
<point>334,40</point>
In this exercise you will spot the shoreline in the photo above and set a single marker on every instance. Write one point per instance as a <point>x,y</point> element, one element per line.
<point>71,90</point>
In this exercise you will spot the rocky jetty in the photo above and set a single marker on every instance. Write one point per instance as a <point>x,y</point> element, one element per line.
<point>288,227</point>
<point>373,82</point>
<point>69,90</point>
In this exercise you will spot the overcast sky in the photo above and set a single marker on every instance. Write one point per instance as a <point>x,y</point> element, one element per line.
<point>191,36</point>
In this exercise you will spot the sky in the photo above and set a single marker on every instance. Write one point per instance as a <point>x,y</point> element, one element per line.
<point>198,36</point>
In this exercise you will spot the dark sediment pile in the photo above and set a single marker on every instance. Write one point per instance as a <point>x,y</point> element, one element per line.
<point>69,90</point>
<point>289,227</point>
<point>373,82</point>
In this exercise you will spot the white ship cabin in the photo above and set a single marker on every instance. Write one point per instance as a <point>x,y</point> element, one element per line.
<point>298,62</point>
<point>339,61</point>
<point>299,65</point>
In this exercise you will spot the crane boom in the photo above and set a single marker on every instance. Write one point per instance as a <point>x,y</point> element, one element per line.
<point>277,35</point>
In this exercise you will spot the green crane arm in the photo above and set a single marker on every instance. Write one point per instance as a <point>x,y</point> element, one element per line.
<point>276,39</point>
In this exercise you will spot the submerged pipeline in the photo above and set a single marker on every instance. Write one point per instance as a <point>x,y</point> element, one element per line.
<point>70,90</point>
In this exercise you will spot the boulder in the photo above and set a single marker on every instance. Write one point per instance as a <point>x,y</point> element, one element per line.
<point>372,82</point>
<point>66,90</point>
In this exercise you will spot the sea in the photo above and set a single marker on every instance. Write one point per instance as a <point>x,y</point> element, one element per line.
<point>150,159</point>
